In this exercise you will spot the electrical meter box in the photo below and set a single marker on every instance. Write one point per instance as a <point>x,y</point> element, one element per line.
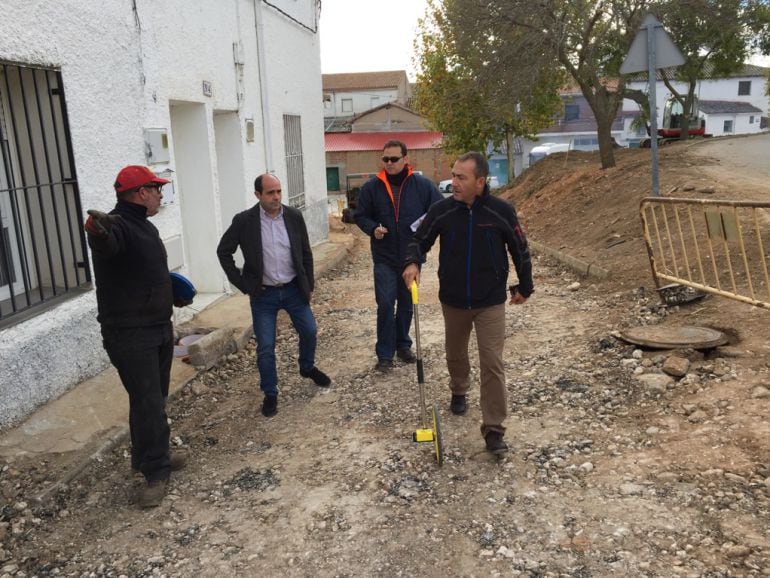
<point>156,145</point>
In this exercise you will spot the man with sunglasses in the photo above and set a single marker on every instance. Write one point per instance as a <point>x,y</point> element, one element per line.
<point>390,206</point>
<point>134,301</point>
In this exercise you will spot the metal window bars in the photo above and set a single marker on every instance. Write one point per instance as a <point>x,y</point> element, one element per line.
<point>42,245</point>
<point>295,172</point>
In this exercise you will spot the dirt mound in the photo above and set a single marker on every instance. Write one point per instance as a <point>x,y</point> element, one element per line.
<point>569,203</point>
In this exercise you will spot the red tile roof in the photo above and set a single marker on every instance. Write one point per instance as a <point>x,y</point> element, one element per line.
<point>373,141</point>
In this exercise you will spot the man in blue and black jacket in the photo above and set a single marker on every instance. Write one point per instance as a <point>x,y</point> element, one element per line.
<point>477,232</point>
<point>390,206</point>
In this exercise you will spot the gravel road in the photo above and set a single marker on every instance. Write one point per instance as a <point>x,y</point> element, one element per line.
<point>616,467</point>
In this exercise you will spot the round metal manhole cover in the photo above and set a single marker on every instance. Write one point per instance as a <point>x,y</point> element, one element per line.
<point>669,337</point>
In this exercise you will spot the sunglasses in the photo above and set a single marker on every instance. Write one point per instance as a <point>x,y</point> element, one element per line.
<point>391,159</point>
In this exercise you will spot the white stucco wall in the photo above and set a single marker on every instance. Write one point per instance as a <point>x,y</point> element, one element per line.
<point>361,101</point>
<point>715,124</point>
<point>126,71</point>
<point>297,84</point>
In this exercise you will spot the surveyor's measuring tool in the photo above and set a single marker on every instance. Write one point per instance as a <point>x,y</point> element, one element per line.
<point>430,432</point>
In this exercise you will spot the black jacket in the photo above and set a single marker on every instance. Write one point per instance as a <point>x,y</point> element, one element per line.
<point>133,287</point>
<point>473,263</point>
<point>375,207</point>
<point>246,232</point>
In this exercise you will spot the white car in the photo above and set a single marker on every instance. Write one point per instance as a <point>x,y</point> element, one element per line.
<point>445,187</point>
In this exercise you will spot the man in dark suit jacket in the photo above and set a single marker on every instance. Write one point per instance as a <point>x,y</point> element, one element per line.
<point>277,274</point>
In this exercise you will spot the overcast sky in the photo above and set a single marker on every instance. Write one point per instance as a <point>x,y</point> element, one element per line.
<point>372,35</point>
<point>369,35</point>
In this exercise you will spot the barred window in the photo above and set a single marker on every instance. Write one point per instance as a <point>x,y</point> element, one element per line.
<point>295,172</point>
<point>42,245</point>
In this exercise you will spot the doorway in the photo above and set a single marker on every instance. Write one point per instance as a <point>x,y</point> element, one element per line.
<point>195,194</point>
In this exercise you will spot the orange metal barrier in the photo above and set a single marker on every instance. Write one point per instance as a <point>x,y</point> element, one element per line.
<point>714,246</point>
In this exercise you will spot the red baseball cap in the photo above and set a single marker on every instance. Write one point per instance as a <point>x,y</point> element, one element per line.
<point>135,176</point>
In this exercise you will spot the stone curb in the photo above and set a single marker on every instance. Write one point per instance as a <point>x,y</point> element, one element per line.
<point>210,348</point>
<point>586,269</point>
<point>207,352</point>
<point>121,433</point>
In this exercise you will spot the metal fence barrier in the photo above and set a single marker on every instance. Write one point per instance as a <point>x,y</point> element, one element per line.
<point>713,246</point>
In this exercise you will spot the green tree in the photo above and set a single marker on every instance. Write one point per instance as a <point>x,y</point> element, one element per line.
<point>466,89</point>
<point>588,38</point>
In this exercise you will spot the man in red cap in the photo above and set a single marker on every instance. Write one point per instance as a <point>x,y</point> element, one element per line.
<point>134,299</point>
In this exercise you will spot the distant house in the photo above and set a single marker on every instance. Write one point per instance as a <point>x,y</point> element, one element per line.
<point>88,87</point>
<point>364,110</point>
<point>389,117</point>
<point>360,152</point>
<point>725,117</point>
<point>575,127</point>
<point>350,94</point>
<point>731,105</point>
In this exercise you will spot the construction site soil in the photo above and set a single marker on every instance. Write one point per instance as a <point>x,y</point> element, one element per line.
<point>619,464</point>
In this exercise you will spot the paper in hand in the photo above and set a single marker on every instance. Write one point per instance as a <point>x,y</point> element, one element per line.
<point>417,223</point>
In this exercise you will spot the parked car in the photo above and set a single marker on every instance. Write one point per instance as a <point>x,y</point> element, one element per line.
<point>445,187</point>
<point>548,148</point>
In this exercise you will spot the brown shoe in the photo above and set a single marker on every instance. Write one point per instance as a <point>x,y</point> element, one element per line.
<point>151,495</point>
<point>178,461</point>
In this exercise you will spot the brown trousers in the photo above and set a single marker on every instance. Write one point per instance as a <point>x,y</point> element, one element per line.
<point>489,323</point>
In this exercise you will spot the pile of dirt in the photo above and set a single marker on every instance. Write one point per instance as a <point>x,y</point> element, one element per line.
<point>569,203</point>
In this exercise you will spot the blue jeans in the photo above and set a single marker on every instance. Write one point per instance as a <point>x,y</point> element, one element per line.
<point>392,330</point>
<point>264,312</point>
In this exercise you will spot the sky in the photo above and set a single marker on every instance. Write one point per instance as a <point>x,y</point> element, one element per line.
<point>369,35</point>
<point>374,35</point>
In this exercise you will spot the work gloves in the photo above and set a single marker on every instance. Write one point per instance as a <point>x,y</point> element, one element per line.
<point>99,224</point>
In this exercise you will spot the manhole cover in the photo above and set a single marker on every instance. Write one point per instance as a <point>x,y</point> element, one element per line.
<point>668,337</point>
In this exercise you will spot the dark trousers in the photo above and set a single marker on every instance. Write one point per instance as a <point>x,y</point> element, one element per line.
<point>391,293</point>
<point>143,356</point>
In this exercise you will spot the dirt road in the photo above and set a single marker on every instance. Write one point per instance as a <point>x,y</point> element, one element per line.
<point>610,473</point>
<point>742,160</point>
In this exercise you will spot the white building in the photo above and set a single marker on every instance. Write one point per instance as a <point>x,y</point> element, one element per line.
<point>209,94</point>
<point>350,94</point>
<point>729,105</point>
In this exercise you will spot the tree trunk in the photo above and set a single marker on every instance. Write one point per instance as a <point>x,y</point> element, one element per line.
<point>606,144</point>
<point>510,154</point>
<point>604,105</point>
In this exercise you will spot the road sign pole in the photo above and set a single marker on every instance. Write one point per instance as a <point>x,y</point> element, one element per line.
<point>653,82</point>
<point>651,49</point>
